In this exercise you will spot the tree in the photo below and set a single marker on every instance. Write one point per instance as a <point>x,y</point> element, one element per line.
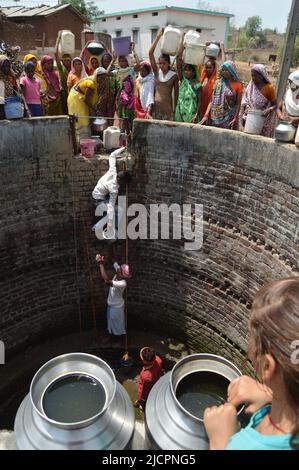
<point>253,26</point>
<point>87,9</point>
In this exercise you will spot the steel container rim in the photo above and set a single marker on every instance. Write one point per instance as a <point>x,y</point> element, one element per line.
<point>60,359</point>
<point>193,357</point>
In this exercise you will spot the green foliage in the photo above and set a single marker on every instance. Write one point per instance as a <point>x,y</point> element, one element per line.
<point>87,9</point>
<point>253,25</point>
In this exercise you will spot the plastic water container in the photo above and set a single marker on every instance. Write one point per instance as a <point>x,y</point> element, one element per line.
<point>212,50</point>
<point>122,45</point>
<point>13,107</point>
<point>254,122</point>
<point>87,147</point>
<point>192,38</point>
<point>67,43</point>
<point>194,54</point>
<point>111,137</point>
<point>171,40</point>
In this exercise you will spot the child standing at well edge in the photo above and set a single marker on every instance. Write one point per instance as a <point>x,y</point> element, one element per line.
<point>274,336</point>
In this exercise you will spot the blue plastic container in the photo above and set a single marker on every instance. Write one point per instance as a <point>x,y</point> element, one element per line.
<point>13,107</point>
<point>122,46</point>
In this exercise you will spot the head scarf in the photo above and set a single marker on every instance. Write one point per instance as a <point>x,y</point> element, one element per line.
<point>28,57</point>
<point>83,71</point>
<point>230,66</point>
<point>99,71</point>
<point>90,67</point>
<point>261,70</point>
<point>147,92</point>
<point>127,98</point>
<point>51,77</point>
<point>106,54</point>
<point>291,101</point>
<point>125,269</point>
<point>294,77</point>
<point>9,80</point>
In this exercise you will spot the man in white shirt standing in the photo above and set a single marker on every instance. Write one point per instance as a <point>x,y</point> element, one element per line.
<point>106,190</point>
<point>116,305</point>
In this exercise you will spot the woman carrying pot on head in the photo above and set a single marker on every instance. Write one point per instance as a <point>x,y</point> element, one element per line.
<point>288,108</point>
<point>144,91</point>
<point>224,108</point>
<point>188,107</point>
<point>167,83</point>
<point>260,95</point>
<point>82,102</point>
<point>51,98</point>
<point>77,72</point>
<point>8,86</point>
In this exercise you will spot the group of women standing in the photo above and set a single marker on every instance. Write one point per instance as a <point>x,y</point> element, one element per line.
<point>113,88</point>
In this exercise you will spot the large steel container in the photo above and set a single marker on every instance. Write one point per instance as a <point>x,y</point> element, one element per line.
<point>111,427</point>
<point>169,425</point>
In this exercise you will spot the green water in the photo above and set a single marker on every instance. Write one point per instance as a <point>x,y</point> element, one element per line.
<point>200,390</point>
<point>74,398</point>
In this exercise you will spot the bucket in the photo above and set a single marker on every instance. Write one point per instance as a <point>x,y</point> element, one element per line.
<point>122,46</point>
<point>13,107</point>
<point>254,122</point>
<point>87,147</point>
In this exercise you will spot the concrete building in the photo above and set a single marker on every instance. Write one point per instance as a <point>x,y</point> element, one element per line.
<point>44,21</point>
<point>142,25</point>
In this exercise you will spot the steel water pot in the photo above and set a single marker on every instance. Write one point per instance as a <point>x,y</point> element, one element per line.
<point>170,423</point>
<point>285,132</point>
<point>108,426</point>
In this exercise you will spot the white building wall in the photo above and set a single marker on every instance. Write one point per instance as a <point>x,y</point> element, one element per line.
<point>146,22</point>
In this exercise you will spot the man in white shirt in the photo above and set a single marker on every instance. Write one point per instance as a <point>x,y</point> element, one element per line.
<point>116,305</point>
<point>106,190</point>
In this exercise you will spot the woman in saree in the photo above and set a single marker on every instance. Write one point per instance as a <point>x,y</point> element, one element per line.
<point>144,91</point>
<point>77,72</point>
<point>82,101</point>
<point>289,107</point>
<point>51,98</point>
<point>125,82</point>
<point>224,108</point>
<point>188,108</point>
<point>207,79</point>
<point>260,95</point>
<point>107,89</point>
<point>8,86</point>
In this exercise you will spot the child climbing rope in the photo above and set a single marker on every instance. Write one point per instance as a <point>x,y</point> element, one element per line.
<point>115,301</point>
<point>106,191</point>
<point>274,337</point>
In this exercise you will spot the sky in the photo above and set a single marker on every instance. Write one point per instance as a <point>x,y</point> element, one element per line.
<point>274,13</point>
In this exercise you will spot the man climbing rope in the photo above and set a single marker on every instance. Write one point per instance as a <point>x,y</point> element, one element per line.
<point>150,374</point>
<point>115,301</point>
<point>106,191</point>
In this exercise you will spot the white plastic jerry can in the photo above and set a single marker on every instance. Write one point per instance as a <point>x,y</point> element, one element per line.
<point>111,137</point>
<point>67,42</point>
<point>171,40</point>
